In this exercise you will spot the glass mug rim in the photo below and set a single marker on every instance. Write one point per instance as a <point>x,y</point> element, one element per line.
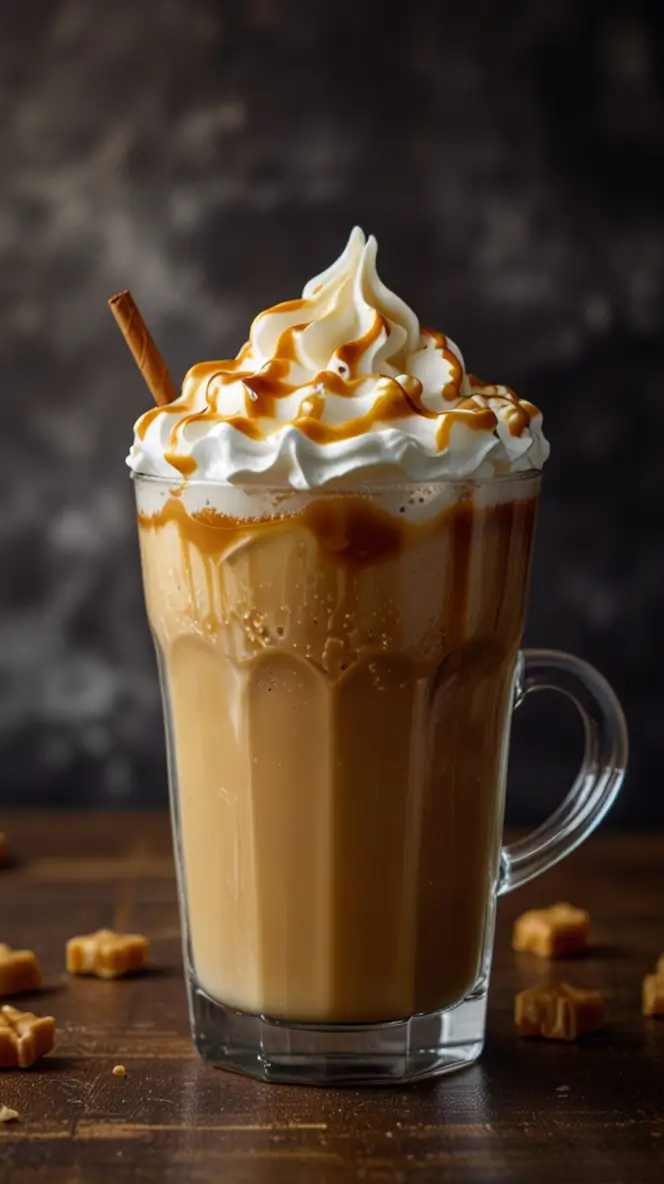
<point>521,477</point>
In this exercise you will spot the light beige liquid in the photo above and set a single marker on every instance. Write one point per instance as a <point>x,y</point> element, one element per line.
<point>340,684</point>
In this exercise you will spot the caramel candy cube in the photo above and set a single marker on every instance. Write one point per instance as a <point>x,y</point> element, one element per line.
<point>19,971</point>
<point>558,1012</point>
<point>552,933</point>
<point>107,954</point>
<point>24,1037</point>
<point>653,993</point>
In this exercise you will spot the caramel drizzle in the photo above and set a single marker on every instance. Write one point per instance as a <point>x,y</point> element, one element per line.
<point>287,343</point>
<point>185,465</point>
<point>146,419</point>
<point>519,416</point>
<point>351,353</point>
<point>470,413</point>
<point>394,404</point>
<point>283,306</point>
<point>519,412</point>
<point>452,388</point>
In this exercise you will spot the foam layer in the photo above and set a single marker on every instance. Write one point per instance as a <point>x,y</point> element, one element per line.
<point>407,502</point>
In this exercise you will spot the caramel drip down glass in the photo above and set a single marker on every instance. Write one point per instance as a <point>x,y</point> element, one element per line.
<point>339,670</point>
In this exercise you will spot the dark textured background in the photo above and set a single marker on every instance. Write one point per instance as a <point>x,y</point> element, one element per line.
<point>212,156</point>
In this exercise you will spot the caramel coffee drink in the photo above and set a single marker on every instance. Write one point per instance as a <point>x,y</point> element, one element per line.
<point>339,674</point>
<point>335,531</point>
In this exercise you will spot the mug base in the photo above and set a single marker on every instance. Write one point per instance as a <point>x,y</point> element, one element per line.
<point>338,1054</point>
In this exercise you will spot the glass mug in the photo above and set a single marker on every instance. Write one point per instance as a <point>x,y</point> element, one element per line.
<point>339,670</point>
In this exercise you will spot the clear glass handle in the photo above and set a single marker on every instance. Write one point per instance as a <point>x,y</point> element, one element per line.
<point>602,769</point>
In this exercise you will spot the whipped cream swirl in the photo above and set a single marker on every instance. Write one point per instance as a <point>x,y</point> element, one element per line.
<point>343,385</point>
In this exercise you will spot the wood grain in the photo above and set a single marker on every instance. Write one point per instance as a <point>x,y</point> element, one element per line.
<point>527,1113</point>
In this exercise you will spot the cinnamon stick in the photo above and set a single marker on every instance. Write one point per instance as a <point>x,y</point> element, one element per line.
<point>146,355</point>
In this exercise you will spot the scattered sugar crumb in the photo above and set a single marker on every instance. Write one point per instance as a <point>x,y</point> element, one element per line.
<point>388,1135</point>
<point>562,1089</point>
<point>8,1115</point>
<point>119,1071</point>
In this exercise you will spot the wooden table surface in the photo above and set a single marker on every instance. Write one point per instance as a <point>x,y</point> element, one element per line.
<point>527,1112</point>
